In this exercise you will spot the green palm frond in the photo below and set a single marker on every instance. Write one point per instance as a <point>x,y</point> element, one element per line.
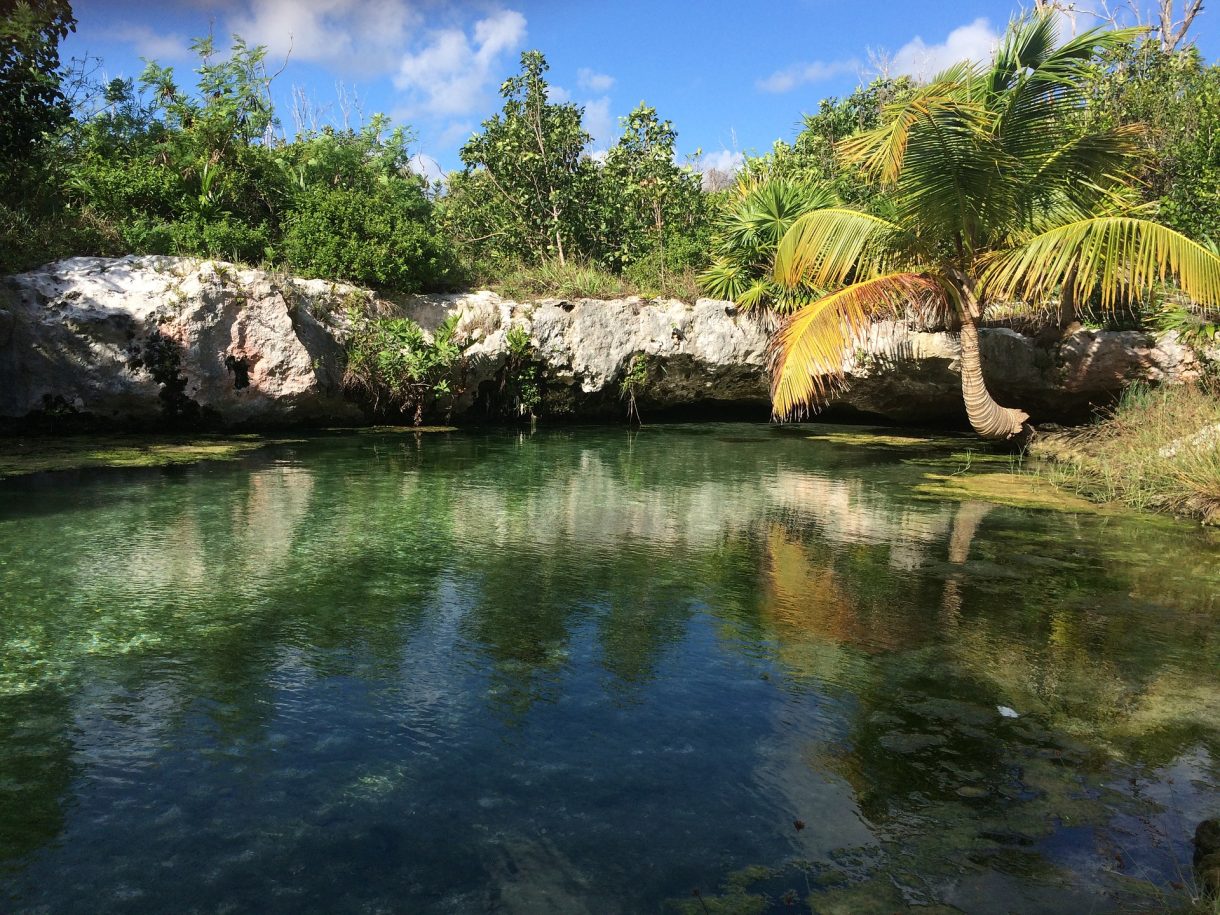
<point>824,248</point>
<point>764,213</point>
<point>881,153</point>
<point>809,349</point>
<point>725,280</point>
<point>747,234</point>
<point>757,295</point>
<point>1085,176</point>
<point>1118,257</point>
<point>1026,46</point>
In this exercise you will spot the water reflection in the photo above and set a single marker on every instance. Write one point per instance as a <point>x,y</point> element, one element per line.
<point>587,670</point>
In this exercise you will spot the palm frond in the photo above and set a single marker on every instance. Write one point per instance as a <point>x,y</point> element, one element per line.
<point>825,247</point>
<point>808,350</point>
<point>725,280</point>
<point>1026,46</point>
<point>882,152</point>
<point>1117,256</point>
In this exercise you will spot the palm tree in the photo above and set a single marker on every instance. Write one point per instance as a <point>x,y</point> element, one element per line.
<point>757,214</point>
<point>994,194</point>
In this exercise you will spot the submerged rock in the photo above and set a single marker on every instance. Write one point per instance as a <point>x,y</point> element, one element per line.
<point>1207,856</point>
<point>139,340</point>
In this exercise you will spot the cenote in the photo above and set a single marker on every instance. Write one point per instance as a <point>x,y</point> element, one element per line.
<point>689,668</point>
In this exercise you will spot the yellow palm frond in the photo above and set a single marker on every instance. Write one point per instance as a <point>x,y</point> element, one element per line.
<point>825,247</point>
<point>808,350</point>
<point>1118,256</point>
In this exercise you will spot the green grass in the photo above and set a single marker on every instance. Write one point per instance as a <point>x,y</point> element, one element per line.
<point>580,280</point>
<point>1158,451</point>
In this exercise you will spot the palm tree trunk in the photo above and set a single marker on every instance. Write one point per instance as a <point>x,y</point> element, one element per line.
<point>987,418</point>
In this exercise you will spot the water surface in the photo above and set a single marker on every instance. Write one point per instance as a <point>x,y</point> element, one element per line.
<point>594,670</point>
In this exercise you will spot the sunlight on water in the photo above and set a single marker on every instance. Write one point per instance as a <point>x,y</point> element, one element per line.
<point>594,670</point>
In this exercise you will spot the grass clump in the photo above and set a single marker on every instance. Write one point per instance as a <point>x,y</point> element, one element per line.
<point>583,280</point>
<point>1158,451</point>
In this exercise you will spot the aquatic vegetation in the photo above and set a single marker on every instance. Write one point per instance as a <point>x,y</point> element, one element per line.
<point>1015,489</point>
<point>38,454</point>
<point>885,438</point>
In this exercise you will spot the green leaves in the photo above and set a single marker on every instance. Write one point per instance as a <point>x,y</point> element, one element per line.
<point>999,190</point>
<point>531,156</point>
<point>747,236</point>
<point>397,366</point>
<point>1119,258</point>
<point>32,104</point>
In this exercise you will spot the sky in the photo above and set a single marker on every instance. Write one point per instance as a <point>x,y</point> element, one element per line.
<point>732,77</point>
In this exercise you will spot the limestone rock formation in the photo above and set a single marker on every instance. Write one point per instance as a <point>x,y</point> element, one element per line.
<point>139,340</point>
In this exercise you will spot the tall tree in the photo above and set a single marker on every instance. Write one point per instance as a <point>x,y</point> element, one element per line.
<point>997,195</point>
<point>31,101</point>
<point>646,189</point>
<point>530,155</point>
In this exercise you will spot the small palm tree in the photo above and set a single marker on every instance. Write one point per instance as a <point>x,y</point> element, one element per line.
<point>755,218</point>
<point>995,195</point>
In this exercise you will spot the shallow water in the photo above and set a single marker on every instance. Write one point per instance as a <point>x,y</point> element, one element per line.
<point>594,670</point>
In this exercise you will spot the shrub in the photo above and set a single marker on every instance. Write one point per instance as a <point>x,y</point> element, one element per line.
<point>393,363</point>
<point>383,239</point>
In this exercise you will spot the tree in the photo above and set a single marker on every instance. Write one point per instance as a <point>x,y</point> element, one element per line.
<point>645,190</point>
<point>754,220</point>
<point>1176,97</point>
<point>32,104</point>
<point>530,155</point>
<point>996,195</point>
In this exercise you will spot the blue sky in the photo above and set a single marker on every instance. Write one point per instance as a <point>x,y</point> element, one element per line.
<point>732,76</point>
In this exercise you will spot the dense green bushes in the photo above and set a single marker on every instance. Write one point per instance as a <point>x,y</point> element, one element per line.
<point>147,167</point>
<point>397,368</point>
<point>384,239</point>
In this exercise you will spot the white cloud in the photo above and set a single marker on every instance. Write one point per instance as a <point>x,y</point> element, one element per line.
<point>724,161</point>
<point>456,133</point>
<point>975,41</point>
<point>797,75</point>
<point>425,165</point>
<point>593,82</point>
<point>148,43</point>
<point>365,36</point>
<point>451,73</point>
<point>598,121</point>
<point>558,95</point>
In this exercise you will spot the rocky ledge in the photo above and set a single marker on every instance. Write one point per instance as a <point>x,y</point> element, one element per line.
<point>139,340</point>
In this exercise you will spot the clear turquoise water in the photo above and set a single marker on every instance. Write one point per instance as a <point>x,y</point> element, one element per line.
<point>592,670</point>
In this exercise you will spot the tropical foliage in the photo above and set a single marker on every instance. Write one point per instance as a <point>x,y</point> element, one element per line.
<point>994,192</point>
<point>397,368</point>
<point>532,194</point>
<point>753,221</point>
